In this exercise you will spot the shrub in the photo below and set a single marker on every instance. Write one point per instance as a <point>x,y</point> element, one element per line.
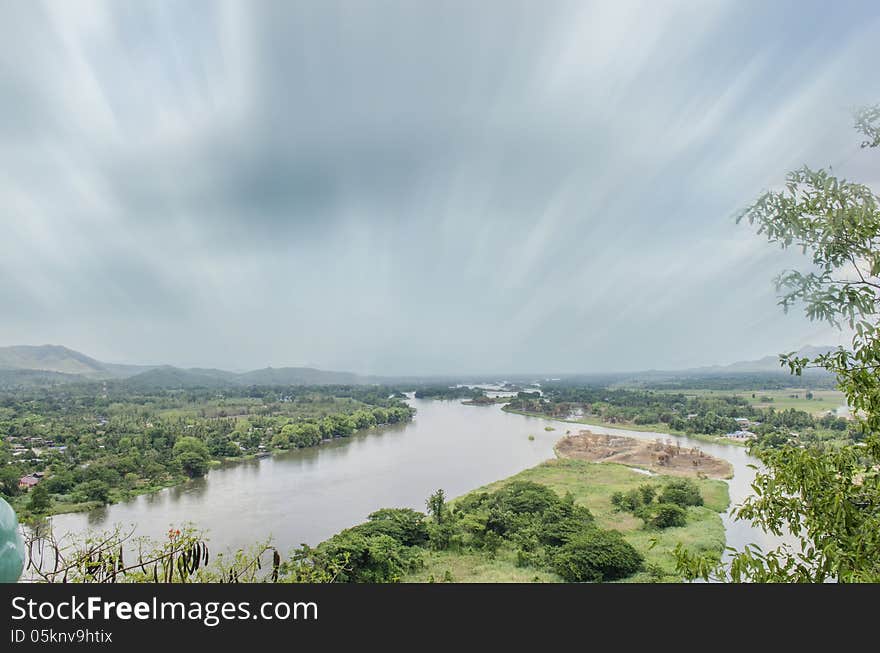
<point>682,492</point>
<point>667,515</point>
<point>403,524</point>
<point>648,492</point>
<point>371,558</point>
<point>596,555</point>
<point>628,502</point>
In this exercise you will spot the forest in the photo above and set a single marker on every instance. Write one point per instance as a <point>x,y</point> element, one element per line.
<point>82,445</point>
<point>684,413</point>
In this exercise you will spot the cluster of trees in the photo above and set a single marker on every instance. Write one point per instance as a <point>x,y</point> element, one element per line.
<point>308,433</point>
<point>670,508</point>
<point>93,448</point>
<point>448,392</point>
<point>545,530</point>
<point>676,412</point>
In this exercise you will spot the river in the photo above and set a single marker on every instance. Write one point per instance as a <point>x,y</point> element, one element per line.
<point>307,495</point>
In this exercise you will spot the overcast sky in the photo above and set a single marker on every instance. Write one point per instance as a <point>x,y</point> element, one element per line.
<point>415,187</point>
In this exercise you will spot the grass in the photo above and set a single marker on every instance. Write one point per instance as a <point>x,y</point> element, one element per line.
<point>821,403</point>
<point>592,485</point>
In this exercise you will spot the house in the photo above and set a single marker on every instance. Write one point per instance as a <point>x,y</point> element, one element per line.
<point>742,421</point>
<point>29,481</point>
<point>741,435</point>
<point>692,415</point>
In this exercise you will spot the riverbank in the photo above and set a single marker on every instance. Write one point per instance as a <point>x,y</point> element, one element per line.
<point>62,504</point>
<point>645,428</point>
<point>591,485</point>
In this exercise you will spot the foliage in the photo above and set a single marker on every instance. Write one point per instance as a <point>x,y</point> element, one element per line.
<point>192,455</point>
<point>136,440</point>
<point>596,555</point>
<point>39,499</point>
<point>682,492</point>
<point>116,556</point>
<point>668,515</point>
<point>828,500</point>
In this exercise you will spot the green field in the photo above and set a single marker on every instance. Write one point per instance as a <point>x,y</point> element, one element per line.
<point>592,485</point>
<point>821,403</point>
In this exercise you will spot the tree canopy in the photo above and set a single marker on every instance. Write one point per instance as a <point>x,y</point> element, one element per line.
<point>829,501</point>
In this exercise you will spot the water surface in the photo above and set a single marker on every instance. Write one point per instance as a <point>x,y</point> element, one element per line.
<point>307,495</point>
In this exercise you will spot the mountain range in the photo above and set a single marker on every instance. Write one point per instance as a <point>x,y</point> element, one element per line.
<point>28,365</point>
<point>56,363</point>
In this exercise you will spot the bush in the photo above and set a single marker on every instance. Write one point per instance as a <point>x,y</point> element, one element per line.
<point>682,492</point>
<point>94,491</point>
<point>668,515</point>
<point>371,558</point>
<point>403,524</point>
<point>629,502</point>
<point>596,555</point>
<point>648,492</point>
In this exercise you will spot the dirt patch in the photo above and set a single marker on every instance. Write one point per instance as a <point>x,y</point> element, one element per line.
<point>660,456</point>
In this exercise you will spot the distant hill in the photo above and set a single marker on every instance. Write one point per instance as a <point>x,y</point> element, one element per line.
<point>51,358</point>
<point>174,377</point>
<point>301,376</point>
<point>766,364</point>
<point>53,364</point>
<point>30,378</point>
<point>63,360</point>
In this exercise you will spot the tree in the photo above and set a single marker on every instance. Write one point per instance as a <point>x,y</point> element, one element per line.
<point>9,482</point>
<point>595,556</point>
<point>828,500</point>
<point>668,515</point>
<point>192,455</point>
<point>682,492</point>
<point>39,499</point>
<point>96,490</point>
<point>436,505</point>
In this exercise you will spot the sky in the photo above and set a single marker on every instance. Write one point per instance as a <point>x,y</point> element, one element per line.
<point>416,187</point>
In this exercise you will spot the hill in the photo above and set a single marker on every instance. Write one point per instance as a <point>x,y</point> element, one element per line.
<point>51,358</point>
<point>174,377</point>
<point>300,376</point>
<point>765,364</point>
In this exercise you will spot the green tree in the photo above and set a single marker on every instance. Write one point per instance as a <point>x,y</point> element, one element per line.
<point>9,482</point>
<point>829,500</point>
<point>192,455</point>
<point>668,515</point>
<point>39,500</point>
<point>682,492</point>
<point>436,504</point>
<point>595,556</point>
<point>96,490</point>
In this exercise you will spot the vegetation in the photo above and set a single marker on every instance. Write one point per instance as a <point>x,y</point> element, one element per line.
<point>451,392</point>
<point>519,558</point>
<point>547,531</point>
<point>96,444</point>
<point>699,415</point>
<point>670,509</point>
<point>828,500</point>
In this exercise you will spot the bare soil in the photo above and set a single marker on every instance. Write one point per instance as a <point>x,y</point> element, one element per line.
<point>660,456</point>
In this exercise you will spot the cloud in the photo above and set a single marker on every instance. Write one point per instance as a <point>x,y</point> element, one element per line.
<point>395,187</point>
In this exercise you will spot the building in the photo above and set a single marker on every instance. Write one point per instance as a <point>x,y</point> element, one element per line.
<point>741,435</point>
<point>29,481</point>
